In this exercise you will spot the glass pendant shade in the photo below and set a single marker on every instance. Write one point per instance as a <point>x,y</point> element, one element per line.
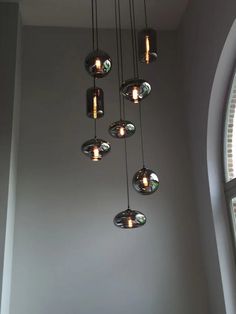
<point>129,219</point>
<point>96,149</point>
<point>135,90</point>
<point>145,181</point>
<point>95,103</point>
<point>98,63</point>
<point>122,129</point>
<point>147,45</point>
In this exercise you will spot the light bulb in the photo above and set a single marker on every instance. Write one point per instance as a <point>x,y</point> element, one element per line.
<point>122,131</point>
<point>98,64</point>
<point>96,155</point>
<point>130,222</point>
<point>135,94</point>
<point>145,181</point>
<point>95,105</point>
<point>147,53</point>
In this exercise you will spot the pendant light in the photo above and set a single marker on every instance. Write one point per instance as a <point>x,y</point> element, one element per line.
<point>98,63</point>
<point>147,42</point>
<point>129,218</point>
<point>135,89</point>
<point>121,128</point>
<point>95,148</point>
<point>145,181</point>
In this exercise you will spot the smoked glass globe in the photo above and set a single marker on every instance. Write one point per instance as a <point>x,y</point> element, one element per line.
<point>122,129</point>
<point>98,63</point>
<point>129,219</point>
<point>96,149</point>
<point>145,181</point>
<point>135,90</point>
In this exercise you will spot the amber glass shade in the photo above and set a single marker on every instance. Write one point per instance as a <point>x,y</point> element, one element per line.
<point>95,103</point>
<point>147,45</point>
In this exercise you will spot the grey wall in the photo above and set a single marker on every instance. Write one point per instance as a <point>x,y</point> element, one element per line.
<point>202,35</point>
<point>68,255</point>
<point>10,59</point>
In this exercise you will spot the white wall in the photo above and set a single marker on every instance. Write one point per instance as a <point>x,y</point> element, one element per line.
<point>68,255</point>
<point>10,59</point>
<point>202,35</point>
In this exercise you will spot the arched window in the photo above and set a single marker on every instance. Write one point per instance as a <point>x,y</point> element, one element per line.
<point>230,154</point>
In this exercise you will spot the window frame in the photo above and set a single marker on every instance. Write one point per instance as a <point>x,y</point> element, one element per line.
<point>229,186</point>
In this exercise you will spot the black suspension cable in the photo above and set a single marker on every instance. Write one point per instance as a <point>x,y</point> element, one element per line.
<point>141,134</point>
<point>121,56</point>
<point>145,13</point>
<point>135,39</point>
<point>96,23</point>
<point>93,37</point>
<point>127,174</point>
<point>132,37</point>
<point>118,57</point>
<point>95,128</point>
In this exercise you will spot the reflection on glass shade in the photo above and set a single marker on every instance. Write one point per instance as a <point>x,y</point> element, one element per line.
<point>98,63</point>
<point>145,181</point>
<point>122,129</point>
<point>95,103</point>
<point>96,148</point>
<point>147,45</point>
<point>129,219</point>
<point>135,90</point>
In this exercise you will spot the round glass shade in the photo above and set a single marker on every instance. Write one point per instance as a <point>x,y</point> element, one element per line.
<point>122,129</point>
<point>135,90</point>
<point>147,45</point>
<point>95,103</point>
<point>130,219</point>
<point>96,149</point>
<point>145,181</point>
<point>98,63</point>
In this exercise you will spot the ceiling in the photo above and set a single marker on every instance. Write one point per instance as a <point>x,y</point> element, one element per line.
<point>162,14</point>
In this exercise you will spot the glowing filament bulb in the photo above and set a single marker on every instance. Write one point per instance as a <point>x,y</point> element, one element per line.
<point>147,53</point>
<point>145,182</point>
<point>122,131</point>
<point>135,94</point>
<point>130,222</point>
<point>95,105</point>
<point>96,155</point>
<point>98,64</point>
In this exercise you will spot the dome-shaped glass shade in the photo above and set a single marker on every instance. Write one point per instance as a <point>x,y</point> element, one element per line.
<point>145,181</point>
<point>135,90</point>
<point>122,129</point>
<point>96,148</point>
<point>129,219</point>
<point>98,63</point>
<point>95,103</point>
<point>147,45</point>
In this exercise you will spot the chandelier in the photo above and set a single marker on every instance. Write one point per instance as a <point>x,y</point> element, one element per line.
<point>98,64</point>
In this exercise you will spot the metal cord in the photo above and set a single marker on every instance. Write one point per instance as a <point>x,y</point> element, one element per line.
<point>145,13</point>
<point>135,39</point>
<point>118,58</point>
<point>132,37</point>
<point>127,174</point>
<point>93,37</point>
<point>141,134</point>
<point>96,23</point>
<point>95,128</point>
